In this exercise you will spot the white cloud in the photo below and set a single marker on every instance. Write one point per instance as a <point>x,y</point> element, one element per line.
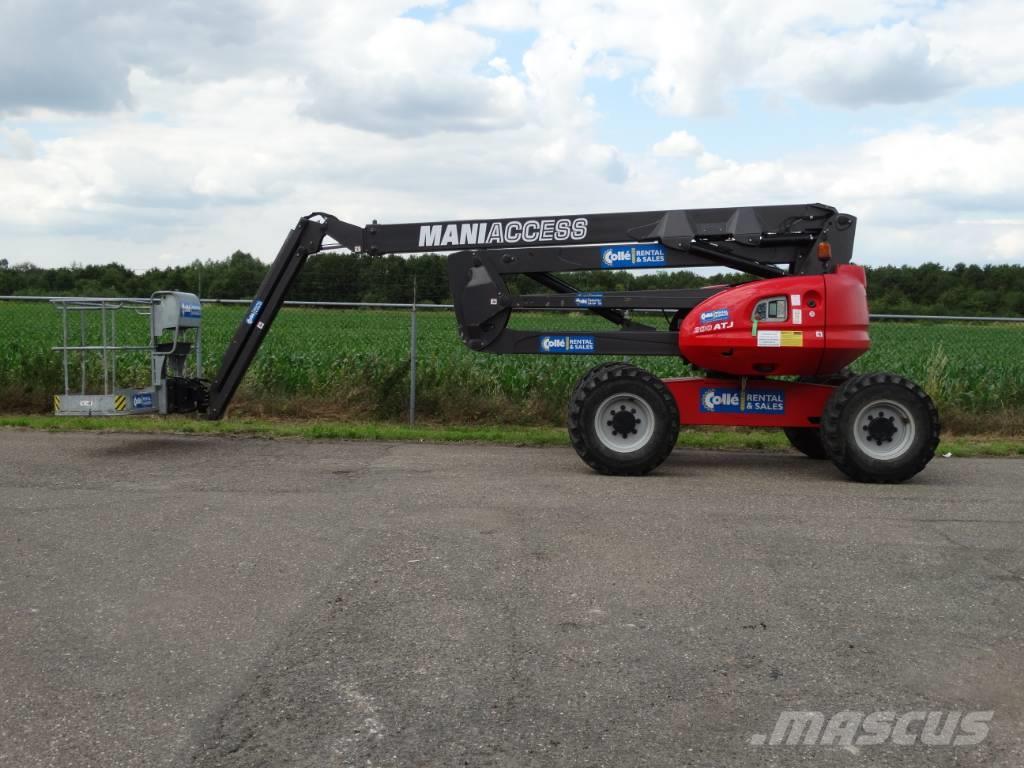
<point>215,177</point>
<point>685,145</point>
<point>976,166</point>
<point>678,144</point>
<point>77,56</point>
<point>500,64</point>
<point>694,54</point>
<point>497,14</point>
<point>980,39</point>
<point>846,52</point>
<point>213,126</point>
<point>410,78</point>
<point>907,187</point>
<point>893,65</point>
<point>1009,246</point>
<point>20,144</point>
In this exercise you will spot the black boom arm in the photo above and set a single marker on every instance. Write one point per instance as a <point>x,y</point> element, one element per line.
<point>764,241</point>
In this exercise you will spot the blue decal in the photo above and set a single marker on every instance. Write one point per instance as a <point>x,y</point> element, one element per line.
<point>616,258</point>
<point>649,256</point>
<point>142,400</point>
<point>714,316</point>
<point>188,309</point>
<point>632,256</point>
<point>590,300</point>
<point>254,312</point>
<point>568,345</point>
<point>727,400</point>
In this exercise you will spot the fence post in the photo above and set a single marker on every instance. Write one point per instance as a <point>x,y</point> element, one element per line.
<point>412,358</point>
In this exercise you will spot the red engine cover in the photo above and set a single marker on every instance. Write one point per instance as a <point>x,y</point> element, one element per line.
<point>809,325</point>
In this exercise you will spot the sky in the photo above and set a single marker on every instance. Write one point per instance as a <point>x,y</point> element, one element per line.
<point>157,133</point>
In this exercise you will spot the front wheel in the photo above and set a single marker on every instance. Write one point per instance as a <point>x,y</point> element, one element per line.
<point>880,428</point>
<point>622,420</point>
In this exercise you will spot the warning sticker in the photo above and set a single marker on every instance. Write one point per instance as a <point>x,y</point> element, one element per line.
<point>798,317</point>
<point>792,338</point>
<point>794,299</point>
<point>780,338</point>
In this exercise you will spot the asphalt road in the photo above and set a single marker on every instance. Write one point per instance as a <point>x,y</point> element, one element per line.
<point>175,601</point>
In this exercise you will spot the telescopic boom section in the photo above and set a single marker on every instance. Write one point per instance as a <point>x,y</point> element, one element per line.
<point>764,241</point>
<point>306,238</point>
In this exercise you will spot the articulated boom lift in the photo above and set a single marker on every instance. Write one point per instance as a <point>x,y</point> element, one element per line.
<point>807,317</point>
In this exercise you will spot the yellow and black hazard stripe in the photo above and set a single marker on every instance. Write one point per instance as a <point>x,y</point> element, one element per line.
<point>120,402</point>
<point>56,403</point>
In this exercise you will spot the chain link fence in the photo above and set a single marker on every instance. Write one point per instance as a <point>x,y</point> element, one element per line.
<point>381,361</point>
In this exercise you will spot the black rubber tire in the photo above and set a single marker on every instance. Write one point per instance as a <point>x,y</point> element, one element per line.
<point>837,428</point>
<point>597,369</point>
<point>807,440</point>
<point>603,382</point>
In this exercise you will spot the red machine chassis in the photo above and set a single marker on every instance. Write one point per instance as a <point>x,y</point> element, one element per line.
<point>748,402</point>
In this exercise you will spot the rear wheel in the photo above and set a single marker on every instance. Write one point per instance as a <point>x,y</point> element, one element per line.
<point>807,440</point>
<point>622,420</point>
<point>880,428</point>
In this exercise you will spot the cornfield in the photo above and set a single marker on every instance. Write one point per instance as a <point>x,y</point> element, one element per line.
<point>356,363</point>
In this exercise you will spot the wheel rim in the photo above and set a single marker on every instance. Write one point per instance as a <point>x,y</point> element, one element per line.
<point>884,430</point>
<point>624,423</point>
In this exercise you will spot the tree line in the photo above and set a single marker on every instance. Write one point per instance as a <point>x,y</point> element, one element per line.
<point>989,290</point>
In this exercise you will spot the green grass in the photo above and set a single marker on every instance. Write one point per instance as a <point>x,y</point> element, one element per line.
<point>332,430</point>
<point>710,439</point>
<point>353,365</point>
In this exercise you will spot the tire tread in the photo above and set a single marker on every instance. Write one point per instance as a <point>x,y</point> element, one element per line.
<point>602,374</point>
<point>838,447</point>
